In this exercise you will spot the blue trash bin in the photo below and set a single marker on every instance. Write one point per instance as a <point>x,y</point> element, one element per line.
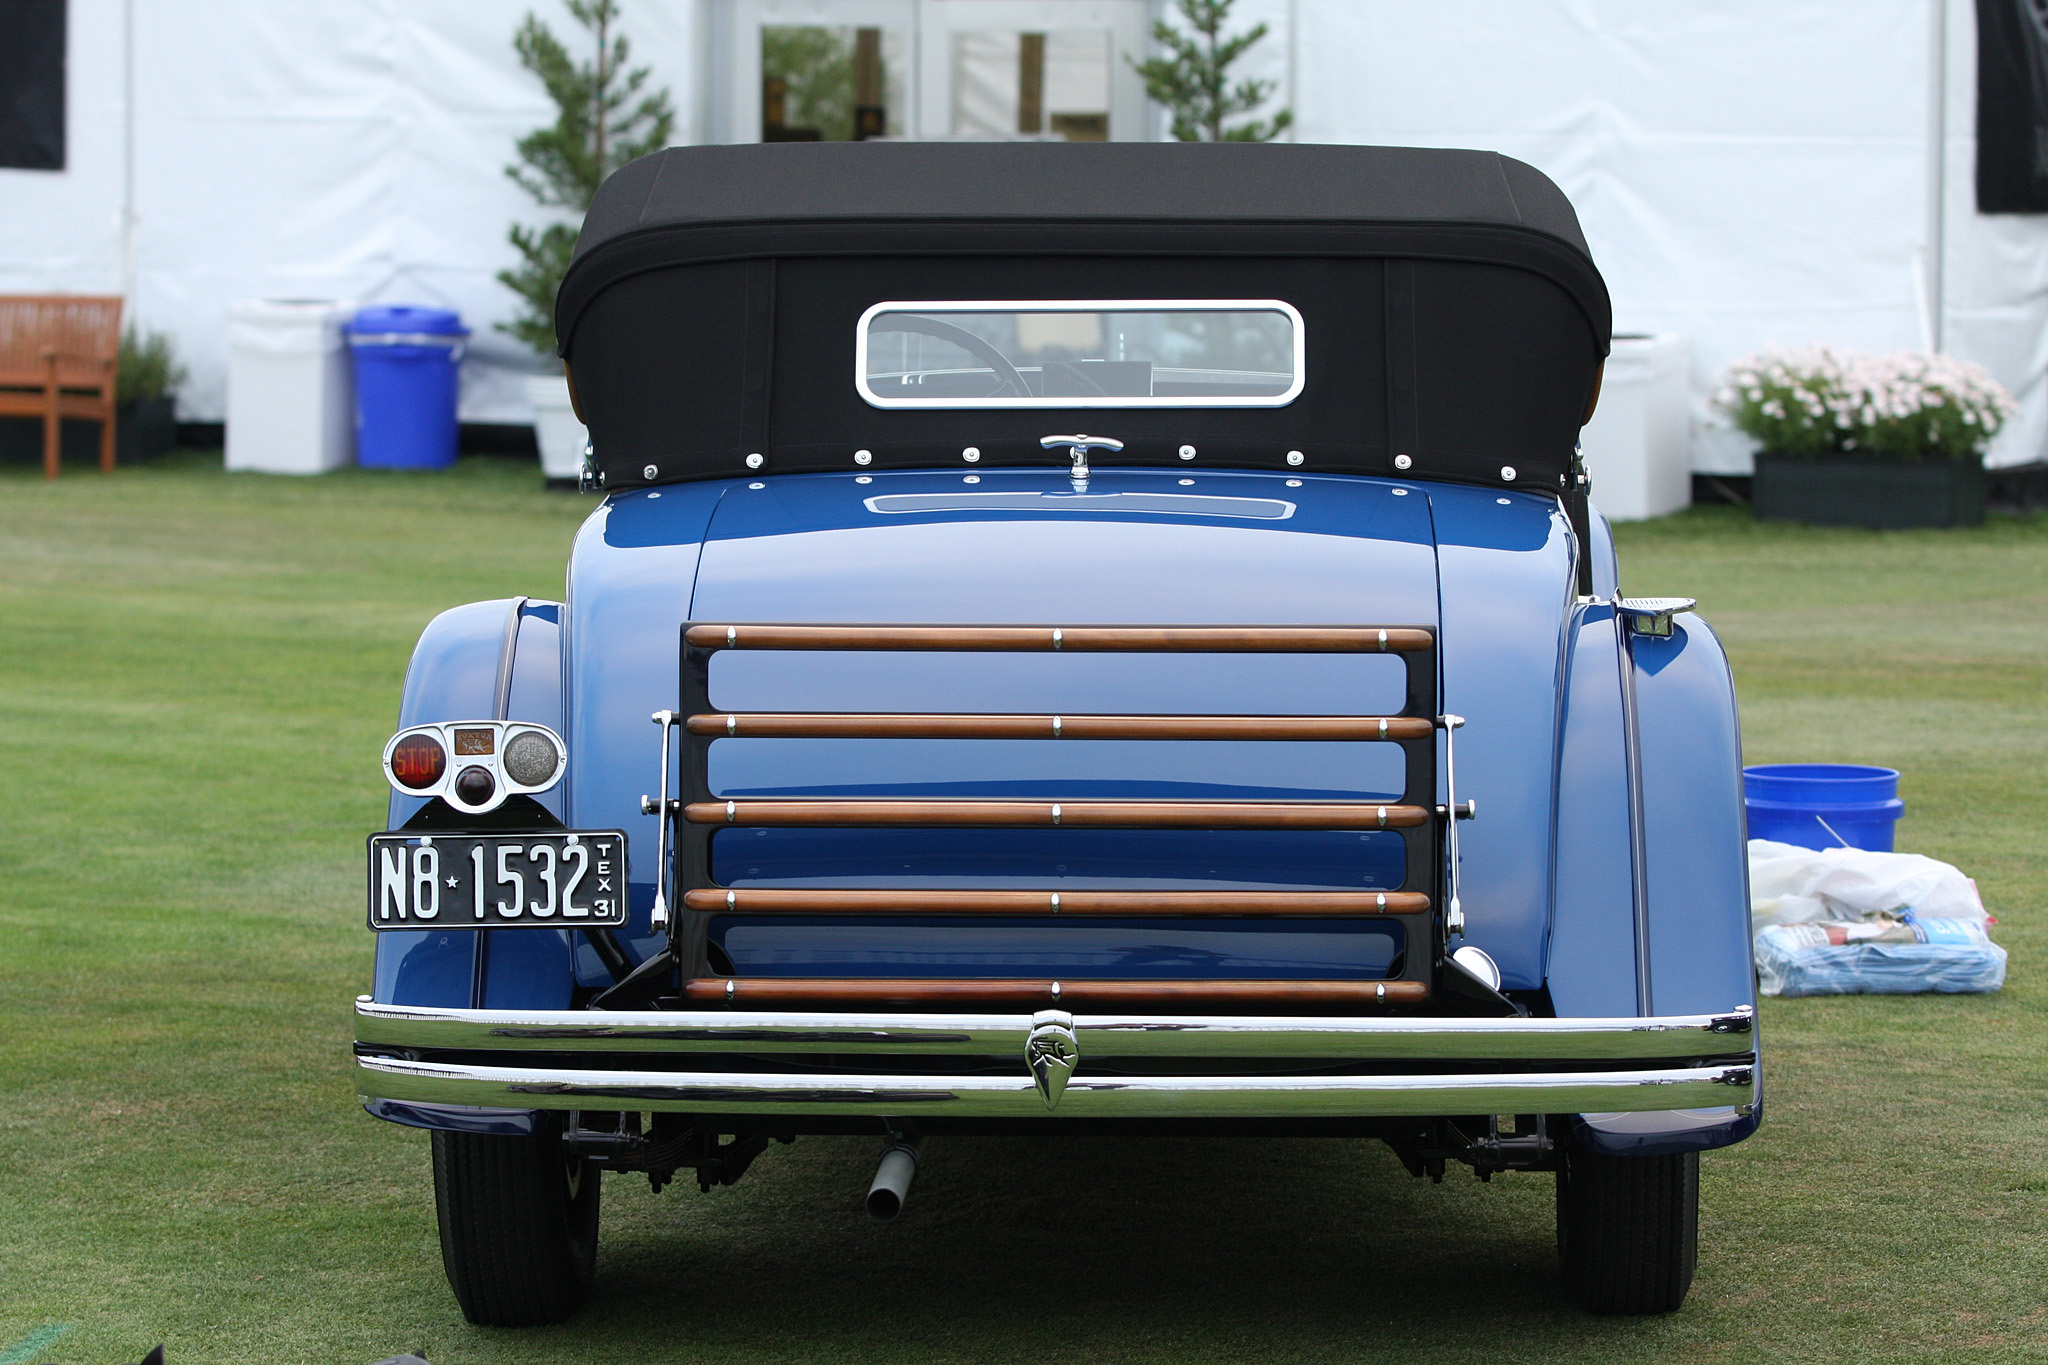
<point>1823,805</point>
<point>407,362</point>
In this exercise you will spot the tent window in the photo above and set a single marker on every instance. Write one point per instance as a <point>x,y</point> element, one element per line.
<point>32,85</point>
<point>1032,85</point>
<point>824,84</point>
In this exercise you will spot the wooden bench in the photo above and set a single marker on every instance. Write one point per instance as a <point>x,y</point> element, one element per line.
<point>59,355</point>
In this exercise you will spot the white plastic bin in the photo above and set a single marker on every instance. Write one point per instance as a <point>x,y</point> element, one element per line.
<point>290,399</point>
<point>1638,446</point>
<point>555,429</point>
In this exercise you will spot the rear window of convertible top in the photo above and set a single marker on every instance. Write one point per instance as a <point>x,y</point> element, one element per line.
<point>1142,353</point>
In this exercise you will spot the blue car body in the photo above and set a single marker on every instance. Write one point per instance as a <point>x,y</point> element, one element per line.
<point>1288,760</point>
<point>1552,686</point>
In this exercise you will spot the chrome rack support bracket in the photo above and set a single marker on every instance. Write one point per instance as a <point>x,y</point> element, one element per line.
<point>1454,910</point>
<point>661,806</point>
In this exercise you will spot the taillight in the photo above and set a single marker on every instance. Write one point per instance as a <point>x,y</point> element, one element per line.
<point>418,761</point>
<point>530,759</point>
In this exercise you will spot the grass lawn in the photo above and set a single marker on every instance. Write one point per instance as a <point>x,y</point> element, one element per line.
<point>198,670</point>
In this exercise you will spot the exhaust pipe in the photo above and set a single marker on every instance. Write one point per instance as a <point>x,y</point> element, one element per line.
<point>892,1178</point>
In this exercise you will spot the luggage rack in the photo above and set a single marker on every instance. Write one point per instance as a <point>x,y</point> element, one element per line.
<point>696,818</point>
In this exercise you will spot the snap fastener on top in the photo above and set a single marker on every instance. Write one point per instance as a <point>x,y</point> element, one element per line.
<point>863,457</point>
<point>1187,452</point>
<point>1295,457</point>
<point>649,472</point>
<point>972,454</point>
<point>1507,472</point>
<point>1403,462</point>
<point>755,461</point>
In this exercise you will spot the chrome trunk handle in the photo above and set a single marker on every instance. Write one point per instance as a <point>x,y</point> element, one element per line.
<point>1078,450</point>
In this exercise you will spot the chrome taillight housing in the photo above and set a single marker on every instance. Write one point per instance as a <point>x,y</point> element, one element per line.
<point>474,765</point>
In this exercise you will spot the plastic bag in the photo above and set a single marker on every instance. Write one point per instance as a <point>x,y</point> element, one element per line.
<point>1850,921</point>
<point>1881,957</point>
<point>1793,885</point>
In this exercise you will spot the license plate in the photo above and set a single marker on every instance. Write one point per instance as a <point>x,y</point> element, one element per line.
<point>561,880</point>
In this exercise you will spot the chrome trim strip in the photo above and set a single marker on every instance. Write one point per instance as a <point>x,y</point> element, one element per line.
<point>1638,852</point>
<point>1084,1096</point>
<point>1100,1035</point>
<point>508,650</point>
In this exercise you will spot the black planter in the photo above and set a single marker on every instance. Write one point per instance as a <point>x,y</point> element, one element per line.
<point>1881,494</point>
<point>145,429</point>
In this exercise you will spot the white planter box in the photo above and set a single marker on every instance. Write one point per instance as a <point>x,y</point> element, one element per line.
<point>291,393</point>
<point>1638,446</point>
<point>560,435</point>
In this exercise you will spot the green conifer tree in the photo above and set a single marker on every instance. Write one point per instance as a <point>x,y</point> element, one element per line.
<point>1193,79</point>
<point>605,120</point>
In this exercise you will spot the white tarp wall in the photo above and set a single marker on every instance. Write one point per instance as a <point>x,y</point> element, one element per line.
<point>347,149</point>
<point>1748,171</point>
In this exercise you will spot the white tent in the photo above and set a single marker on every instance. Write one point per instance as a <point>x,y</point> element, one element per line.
<point>1748,172</point>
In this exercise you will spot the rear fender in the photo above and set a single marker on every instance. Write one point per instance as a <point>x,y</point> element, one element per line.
<point>1661,926</point>
<point>1695,851</point>
<point>500,658</point>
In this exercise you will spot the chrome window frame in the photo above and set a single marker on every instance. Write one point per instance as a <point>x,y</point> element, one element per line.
<point>1281,400</point>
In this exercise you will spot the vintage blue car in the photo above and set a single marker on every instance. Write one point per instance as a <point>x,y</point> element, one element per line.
<point>1076,638</point>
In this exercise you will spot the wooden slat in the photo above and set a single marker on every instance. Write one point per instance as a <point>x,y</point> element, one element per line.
<point>1075,639</point>
<point>1246,904</point>
<point>836,725</point>
<point>1062,814</point>
<point>954,992</point>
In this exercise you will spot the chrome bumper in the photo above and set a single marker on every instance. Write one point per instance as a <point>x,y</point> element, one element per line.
<point>1624,1065</point>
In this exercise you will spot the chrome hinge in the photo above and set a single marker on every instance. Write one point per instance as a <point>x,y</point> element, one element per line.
<point>1652,615</point>
<point>590,479</point>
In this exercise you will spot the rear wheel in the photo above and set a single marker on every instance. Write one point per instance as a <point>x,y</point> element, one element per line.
<point>518,1226</point>
<point>1628,1229</point>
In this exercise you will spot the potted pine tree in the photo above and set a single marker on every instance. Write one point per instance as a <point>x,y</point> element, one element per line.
<point>146,381</point>
<point>1849,439</point>
<point>1193,80</point>
<point>605,118</point>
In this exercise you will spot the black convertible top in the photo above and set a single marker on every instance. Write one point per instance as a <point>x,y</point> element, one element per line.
<point>1453,311</point>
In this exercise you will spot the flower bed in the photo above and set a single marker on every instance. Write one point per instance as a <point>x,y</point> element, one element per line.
<point>1866,440</point>
<point>1813,402</point>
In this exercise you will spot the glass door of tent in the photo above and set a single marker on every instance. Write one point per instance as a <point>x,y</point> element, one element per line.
<point>837,70</point>
<point>1050,69</point>
<point>821,70</point>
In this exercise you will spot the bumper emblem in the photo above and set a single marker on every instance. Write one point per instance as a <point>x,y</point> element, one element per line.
<point>1051,1054</point>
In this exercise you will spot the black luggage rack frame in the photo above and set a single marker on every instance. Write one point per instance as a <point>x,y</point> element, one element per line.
<point>690,823</point>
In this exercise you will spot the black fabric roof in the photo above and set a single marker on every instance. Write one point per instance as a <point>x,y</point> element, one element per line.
<point>1077,182</point>
<point>1455,323</point>
<point>723,203</point>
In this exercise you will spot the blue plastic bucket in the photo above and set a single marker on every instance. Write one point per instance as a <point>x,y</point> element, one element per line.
<point>1801,803</point>
<point>407,362</point>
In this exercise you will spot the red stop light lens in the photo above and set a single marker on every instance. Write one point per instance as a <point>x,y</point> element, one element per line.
<point>419,761</point>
